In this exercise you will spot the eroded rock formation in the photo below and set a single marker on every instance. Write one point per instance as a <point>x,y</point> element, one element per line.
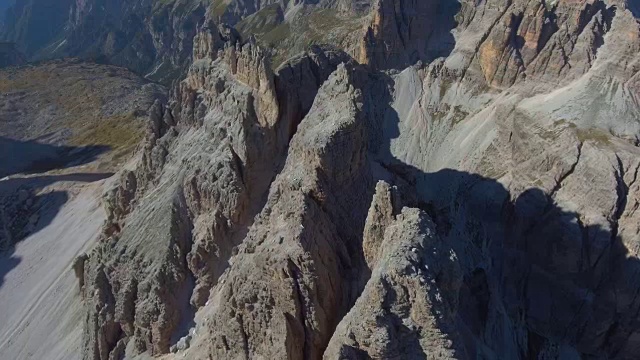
<point>478,200</point>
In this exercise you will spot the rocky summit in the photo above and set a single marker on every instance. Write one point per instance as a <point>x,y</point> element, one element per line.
<point>321,179</point>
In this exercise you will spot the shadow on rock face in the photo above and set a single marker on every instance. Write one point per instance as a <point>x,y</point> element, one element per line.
<point>23,211</point>
<point>420,31</point>
<point>537,281</point>
<point>634,7</point>
<point>534,272</point>
<point>33,157</point>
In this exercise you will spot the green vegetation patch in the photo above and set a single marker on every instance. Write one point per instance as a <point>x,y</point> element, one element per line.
<point>327,26</point>
<point>262,22</point>
<point>80,104</point>
<point>277,35</point>
<point>314,27</point>
<point>594,135</point>
<point>218,7</point>
<point>597,136</point>
<point>121,133</point>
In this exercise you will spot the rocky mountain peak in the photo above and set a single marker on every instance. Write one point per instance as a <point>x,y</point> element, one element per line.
<point>367,180</point>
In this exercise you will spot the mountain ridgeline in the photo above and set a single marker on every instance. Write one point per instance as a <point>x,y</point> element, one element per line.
<point>365,179</point>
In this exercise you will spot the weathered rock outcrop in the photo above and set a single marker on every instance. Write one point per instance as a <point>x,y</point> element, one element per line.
<point>550,224</point>
<point>311,68</point>
<point>208,160</point>
<point>300,292</point>
<point>402,33</point>
<point>544,39</point>
<point>505,225</point>
<point>407,310</point>
<point>205,204</point>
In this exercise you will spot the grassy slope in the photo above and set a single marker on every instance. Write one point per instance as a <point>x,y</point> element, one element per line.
<point>311,27</point>
<point>76,104</point>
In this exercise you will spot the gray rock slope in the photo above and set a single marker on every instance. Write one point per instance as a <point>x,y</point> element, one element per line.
<point>65,127</point>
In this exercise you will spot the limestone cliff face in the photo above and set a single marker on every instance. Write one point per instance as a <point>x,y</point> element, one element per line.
<point>519,39</point>
<point>476,200</point>
<point>408,306</point>
<point>527,195</point>
<point>548,40</point>
<point>196,219</point>
<point>402,33</point>
<point>212,153</point>
<point>302,253</point>
<point>32,24</point>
